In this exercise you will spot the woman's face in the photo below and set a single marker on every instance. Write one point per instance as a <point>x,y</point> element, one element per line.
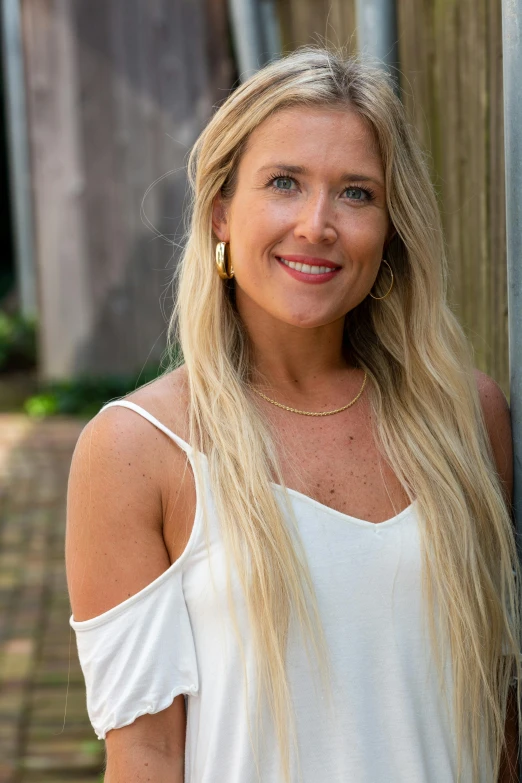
<point>307,223</point>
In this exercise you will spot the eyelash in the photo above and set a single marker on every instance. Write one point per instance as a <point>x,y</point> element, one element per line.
<point>370,194</point>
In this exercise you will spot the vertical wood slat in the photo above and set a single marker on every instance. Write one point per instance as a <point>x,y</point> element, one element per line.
<point>450,54</point>
<point>66,312</point>
<point>318,22</point>
<point>118,91</point>
<point>105,197</point>
<point>473,183</point>
<point>496,203</point>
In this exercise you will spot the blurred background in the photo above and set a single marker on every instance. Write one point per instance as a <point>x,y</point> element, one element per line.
<point>100,102</point>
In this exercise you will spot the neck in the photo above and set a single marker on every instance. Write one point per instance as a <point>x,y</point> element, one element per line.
<point>298,360</point>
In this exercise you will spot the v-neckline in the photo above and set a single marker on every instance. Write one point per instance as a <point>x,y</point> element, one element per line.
<point>347,517</point>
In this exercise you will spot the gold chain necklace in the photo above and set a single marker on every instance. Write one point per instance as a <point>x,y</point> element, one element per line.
<point>308,413</point>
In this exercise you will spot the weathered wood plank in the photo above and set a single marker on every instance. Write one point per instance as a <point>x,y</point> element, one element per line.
<point>496,204</point>
<point>118,91</point>
<point>66,312</point>
<point>318,22</point>
<point>111,347</point>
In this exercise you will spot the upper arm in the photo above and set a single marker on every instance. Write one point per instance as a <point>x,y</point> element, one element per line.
<point>497,419</point>
<point>115,548</point>
<point>150,749</point>
<point>114,543</point>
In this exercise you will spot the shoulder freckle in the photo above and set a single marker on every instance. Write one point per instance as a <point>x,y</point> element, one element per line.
<point>492,398</point>
<point>497,418</point>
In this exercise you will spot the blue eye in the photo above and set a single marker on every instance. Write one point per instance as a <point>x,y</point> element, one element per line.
<point>357,194</point>
<point>286,183</point>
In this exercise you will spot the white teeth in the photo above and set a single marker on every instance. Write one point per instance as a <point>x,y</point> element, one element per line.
<point>307,268</point>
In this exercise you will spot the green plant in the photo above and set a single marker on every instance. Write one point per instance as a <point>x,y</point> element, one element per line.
<point>17,342</point>
<point>91,747</point>
<point>85,395</point>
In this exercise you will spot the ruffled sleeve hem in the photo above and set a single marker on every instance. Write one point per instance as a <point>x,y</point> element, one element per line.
<point>150,709</point>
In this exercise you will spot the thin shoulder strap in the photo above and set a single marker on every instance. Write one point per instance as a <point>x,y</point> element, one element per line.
<point>187,448</point>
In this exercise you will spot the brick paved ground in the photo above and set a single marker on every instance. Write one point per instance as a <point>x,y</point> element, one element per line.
<point>44,730</point>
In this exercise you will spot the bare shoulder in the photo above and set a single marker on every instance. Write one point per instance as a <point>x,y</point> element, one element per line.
<point>495,407</point>
<point>497,418</point>
<point>167,399</point>
<point>118,438</point>
<point>117,490</point>
<point>123,430</point>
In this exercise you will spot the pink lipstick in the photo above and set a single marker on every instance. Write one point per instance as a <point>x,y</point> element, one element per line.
<point>309,269</point>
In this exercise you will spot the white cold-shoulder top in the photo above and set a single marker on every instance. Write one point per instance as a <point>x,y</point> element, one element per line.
<point>385,720</point>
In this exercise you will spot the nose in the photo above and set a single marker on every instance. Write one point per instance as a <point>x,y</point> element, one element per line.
<point>316,221</point>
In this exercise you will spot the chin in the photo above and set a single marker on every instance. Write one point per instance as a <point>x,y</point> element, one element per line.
<point>307,321</point>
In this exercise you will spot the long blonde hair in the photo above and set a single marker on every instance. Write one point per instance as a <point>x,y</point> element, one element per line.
<point>427,413</point>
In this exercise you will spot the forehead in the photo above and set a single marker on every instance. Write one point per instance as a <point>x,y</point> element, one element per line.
<point>323,137</point>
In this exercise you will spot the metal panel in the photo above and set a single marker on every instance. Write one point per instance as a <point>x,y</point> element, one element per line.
<point>245,16</point>
<point>377,31</point>
<point>19,170</point>
<point>512,38</point>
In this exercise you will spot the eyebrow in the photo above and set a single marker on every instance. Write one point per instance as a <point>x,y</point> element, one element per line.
<point>303,170</point>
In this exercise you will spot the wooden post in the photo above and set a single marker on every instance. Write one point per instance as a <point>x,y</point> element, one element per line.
<point>118,91</point>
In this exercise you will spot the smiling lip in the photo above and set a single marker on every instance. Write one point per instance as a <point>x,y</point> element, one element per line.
<point>309,277</point>
<point>311,261</point>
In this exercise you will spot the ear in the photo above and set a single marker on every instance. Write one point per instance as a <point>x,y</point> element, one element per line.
<point>220,219</point>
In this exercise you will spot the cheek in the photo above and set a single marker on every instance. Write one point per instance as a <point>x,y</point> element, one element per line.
<point>364,238</point>
<point>256,229</point>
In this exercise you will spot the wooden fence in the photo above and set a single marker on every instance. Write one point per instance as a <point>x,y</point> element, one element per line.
<point>117,92</point>
<point>451,78</point>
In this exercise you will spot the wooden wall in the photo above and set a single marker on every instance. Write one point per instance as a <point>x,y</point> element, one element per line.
<point>117,92</point>
<point>451,63</point>
<point>317,21</point>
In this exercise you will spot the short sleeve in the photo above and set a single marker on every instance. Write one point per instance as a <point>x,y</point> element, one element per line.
<point>137,657</point>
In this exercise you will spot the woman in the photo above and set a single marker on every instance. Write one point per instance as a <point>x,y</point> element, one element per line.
<point>361,625</point>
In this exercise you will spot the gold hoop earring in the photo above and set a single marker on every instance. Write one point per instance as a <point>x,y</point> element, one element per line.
<point>391,285</point>
<point>221,262</point>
